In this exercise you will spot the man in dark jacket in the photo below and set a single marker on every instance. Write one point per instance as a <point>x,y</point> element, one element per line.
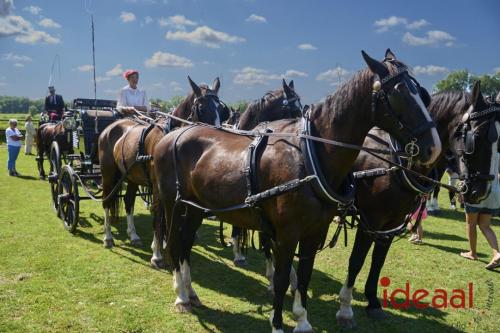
<point>54,105</point>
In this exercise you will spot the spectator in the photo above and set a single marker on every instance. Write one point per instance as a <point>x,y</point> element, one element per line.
<point>480,214</point>
<point>30,135</point>
<point>14,137</point>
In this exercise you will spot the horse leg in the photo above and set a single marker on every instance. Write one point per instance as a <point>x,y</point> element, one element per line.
<point>362,243</point>
<point>39,160</point>
<point>307,254</point>
<point>283,254</point>
<point>194,218</point>
<point>266,244</point>
<point>129,201</point>
<point>239,259</point>
<point>175,246</point>
<point>157,261</point>
<point>374,309</point>
<point>110,177</point>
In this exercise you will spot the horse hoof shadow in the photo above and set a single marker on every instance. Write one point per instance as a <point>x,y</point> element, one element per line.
<point>346,323</point>
<point>195,301</point>
<point>376,313</point>
<point>184,307</point>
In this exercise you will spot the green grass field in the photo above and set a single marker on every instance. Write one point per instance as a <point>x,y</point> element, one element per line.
<point>53,281</point>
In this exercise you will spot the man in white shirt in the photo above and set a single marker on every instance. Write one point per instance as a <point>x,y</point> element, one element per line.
<point>131,98</point>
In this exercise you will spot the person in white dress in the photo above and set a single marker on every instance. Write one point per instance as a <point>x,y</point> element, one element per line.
<point>131,97</point>
<point>30,135</point>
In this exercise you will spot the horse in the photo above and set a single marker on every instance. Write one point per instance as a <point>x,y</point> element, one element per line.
<point>45,135</point>
<point>125,149</point>
<point>197,170</point>
<point>234,117</point>
<point>373,193</point>
<point>277,104</point>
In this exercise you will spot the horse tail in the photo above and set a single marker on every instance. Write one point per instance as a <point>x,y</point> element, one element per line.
<point>114,202</point>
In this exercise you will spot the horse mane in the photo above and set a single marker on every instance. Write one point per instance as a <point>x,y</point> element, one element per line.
<point>253,114</point>
<point>458,101</point>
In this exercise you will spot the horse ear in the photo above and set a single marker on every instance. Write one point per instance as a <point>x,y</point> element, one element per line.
<point>286,88</point>
<point>375,66</point>
<point>477,96</point>
<point>389,55</point>
<point>194,86</point>
<point>293,88</point>
<point>216,85</point>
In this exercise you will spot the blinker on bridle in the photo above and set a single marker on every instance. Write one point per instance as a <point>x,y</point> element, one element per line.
<point>197,107</point>
<point>379,94</point>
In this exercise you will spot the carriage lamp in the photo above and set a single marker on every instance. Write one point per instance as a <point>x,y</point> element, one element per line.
<point>377,85</point>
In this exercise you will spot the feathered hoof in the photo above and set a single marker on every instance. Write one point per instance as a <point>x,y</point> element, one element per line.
<point>108,243</point>
<point>376,313</point>
<point>195,301</point>
<point>348,323</point>
<point>136,242</point>
<point>157,263</point>
<point>240,263</point>
<point>184,307</point>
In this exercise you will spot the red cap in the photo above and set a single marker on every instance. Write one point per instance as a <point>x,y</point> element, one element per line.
<point>129,72</point>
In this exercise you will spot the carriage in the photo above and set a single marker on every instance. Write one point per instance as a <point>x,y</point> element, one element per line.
<point>74,160</point>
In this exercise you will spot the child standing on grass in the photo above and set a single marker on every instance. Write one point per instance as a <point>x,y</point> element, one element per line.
<point>14,137</point>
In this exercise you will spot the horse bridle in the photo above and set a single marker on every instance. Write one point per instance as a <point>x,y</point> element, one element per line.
<point>380,93</point>
<point>288,104</point>
<point>468,136</point>
<point>198,109</point>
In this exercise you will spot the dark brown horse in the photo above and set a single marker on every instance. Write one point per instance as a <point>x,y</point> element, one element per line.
<point>374,193</point>
<point>208,168</point>
<point>278,104</point>
<point>121,153</point>
<point>46,134</point>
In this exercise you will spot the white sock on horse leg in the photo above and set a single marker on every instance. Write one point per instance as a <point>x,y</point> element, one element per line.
<point>300,313</point>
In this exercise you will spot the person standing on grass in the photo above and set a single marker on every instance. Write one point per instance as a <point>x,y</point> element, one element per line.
<point>480,214</point>
<point>14,137</point>
<point>30,135</point>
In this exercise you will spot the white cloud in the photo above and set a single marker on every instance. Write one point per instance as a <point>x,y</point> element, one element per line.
<point>127,17</point>
<point>429,70</point>
<point>102,78</point>
<point>178,22</point>
<point>49,23</point>
<point>392,21</point>
<point>24,31</point>
<point>256,19</point>
<point>148,19</point>
<point>5,6</point>
<point>432,38</point>
<point>18,64</point>
<point>417,24</point>
<point>175,86</point>
<point>115,71</point>
<point>307,47</point>
<point>294,73</point>
<point>33,9</point>
<point>334,76</point>
<point>15,57</point>
<point>252,76</point>
<point>164,59</point>
<point>85,68</point>
<point>205,36</point>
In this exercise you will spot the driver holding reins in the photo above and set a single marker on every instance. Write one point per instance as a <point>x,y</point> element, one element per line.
<point>132,98</point>
<point>54,105</point>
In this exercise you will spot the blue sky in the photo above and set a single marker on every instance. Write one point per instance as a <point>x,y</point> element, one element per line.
<point>250,44</point>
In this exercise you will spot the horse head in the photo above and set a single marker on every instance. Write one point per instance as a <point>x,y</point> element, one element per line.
<point>476,144</point>
<point>399,106</point>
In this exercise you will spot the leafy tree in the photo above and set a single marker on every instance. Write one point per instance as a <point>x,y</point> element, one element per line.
<point>458,80</point>
<point>239,106</point>
<point>463,80</point>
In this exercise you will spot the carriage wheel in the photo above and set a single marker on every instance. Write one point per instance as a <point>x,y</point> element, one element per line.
<point>55,170</point>
<point>68,199</point>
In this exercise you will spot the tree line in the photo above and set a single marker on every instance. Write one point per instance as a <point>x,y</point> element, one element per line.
<point>457,80</point>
